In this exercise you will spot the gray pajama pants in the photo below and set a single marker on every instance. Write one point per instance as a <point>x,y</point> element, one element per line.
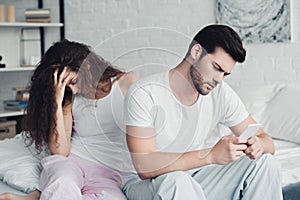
<point>245,179</point>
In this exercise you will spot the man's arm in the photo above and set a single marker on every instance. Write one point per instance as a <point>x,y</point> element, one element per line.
<point>260,143</point>
<point>150,163</point>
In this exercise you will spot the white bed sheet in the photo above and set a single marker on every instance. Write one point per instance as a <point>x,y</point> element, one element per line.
<point>288,155</point>
<point>19,165</point>
<point>6,188</point>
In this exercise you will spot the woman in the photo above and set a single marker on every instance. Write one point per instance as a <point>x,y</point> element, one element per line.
<point>92,168</point>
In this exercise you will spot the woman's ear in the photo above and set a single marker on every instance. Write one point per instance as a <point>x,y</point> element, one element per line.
<point>196,52</point>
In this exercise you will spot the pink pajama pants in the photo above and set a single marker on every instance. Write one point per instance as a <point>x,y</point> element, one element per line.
<point>77,178</point>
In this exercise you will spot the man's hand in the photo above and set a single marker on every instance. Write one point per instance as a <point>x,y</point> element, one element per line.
<point>228,149</point>
<point>258,144</point>
<point>255,147</point>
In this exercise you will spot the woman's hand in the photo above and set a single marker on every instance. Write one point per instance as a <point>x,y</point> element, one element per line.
<point>61,82</point>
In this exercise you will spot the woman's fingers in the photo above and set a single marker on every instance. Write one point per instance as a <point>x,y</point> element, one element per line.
<point>63,74</point>
<point>55,76</point>
<point>63,79</point>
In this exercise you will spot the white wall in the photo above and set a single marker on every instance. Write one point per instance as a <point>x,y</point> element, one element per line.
<point>150,35</point>
<point>117,31</point>
<point>143,35</point>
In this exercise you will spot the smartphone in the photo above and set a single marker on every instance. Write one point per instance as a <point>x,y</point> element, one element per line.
<point>250,130</point>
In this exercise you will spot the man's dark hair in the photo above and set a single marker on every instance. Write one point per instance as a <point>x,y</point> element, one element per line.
<point>213,36</point>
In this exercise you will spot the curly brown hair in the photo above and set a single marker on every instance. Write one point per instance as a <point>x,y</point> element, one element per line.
<point>39,120</point>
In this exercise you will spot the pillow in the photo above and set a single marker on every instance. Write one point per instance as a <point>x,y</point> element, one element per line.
<point>282,116</point>
<point>257,96</point>
<point>19,165</point>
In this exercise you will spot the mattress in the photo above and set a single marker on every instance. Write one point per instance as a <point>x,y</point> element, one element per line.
<point>5,188</point>
<point>287,153</point>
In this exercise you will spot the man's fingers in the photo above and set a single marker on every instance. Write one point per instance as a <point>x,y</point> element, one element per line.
<point>252,140</point>
<point>254,154</point>
<point>238,140</point>
<point>241,147</point>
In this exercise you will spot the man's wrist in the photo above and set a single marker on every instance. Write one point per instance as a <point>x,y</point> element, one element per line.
<point>205,156</point>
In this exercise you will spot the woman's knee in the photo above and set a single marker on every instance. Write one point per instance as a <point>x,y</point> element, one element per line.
<point>59,166</point>
<point>60,171</point>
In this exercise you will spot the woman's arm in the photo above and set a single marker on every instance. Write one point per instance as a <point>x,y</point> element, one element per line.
<point>60,136</point>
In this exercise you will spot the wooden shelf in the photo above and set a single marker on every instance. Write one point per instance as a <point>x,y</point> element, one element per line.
<point>10,113</point>
<point>29,24</point>
<point>17,69</point>
<point>20,26</point>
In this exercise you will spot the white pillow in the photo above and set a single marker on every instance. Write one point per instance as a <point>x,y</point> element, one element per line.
<point>282,116</point>
<point>257,96</point>
<point>19,165</point>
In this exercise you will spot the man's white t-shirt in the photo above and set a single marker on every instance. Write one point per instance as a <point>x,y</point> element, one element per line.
<point>177,127</point>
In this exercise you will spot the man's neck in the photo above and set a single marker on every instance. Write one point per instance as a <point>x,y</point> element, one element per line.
<point>181,84</point>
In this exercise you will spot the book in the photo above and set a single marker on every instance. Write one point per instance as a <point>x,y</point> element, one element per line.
<point>22,95</point>
<point>15,104</point>
<point>38,20</point>
<point>37,11</point>
<point>21,88</point>
<point>38,16</point>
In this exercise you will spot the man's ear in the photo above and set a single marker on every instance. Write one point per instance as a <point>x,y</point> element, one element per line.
<point>196,52</point>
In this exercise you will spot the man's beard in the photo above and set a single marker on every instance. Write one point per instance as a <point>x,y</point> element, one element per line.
<point>197,80</point>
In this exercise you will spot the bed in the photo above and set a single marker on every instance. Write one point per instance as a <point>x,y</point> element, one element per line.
<point>273,105</point>
<point>19,166</point>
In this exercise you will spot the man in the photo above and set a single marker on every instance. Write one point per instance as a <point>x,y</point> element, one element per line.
<point>170,115</point>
